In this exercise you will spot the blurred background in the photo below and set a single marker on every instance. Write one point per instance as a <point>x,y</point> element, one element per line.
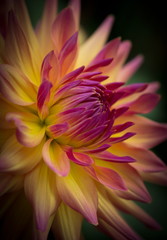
<point>144,23</point>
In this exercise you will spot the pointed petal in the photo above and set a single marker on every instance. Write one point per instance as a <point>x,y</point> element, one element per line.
<point>16,158</point>
<point>148,133</point>
<point>75,5</point>
<point>158,178</point>
<point>29,131</point>
<point>78,191</point>
<point>43,29</point>
<point>18,52</point>
<point>60,32</point>
<point>15,86</point>
<point>109,214</point>
<point>67,223</point>
<point>56,158</point>
<point>129,69</point>
<point>93,45</point>
<point>40,189</point>
<point>79,158</point>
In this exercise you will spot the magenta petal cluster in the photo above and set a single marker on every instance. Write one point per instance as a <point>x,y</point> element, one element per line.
<point>74,144</point>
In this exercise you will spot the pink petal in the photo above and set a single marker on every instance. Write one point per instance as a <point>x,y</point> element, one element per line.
<point>75,5</point>
<point>43,94</point>
<point>72,75</point>
<point>79,158</point>
<point>93,45</point>
<point>41,191</point>
<point>56,158</point>
<point>60,32</point>
<point>158,178</point>
<point>129,69</point>
<point>74,191</point>
<point>57,130</point>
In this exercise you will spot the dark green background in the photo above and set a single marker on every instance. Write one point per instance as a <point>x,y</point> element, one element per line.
<point>144,23</point>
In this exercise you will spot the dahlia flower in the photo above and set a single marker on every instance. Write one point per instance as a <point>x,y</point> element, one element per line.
<point>73,142</point>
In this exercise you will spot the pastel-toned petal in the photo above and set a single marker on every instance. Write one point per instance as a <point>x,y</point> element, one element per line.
<point>15,158</point>
<point>67,223</point>
<point>15,86</point>
<point>144,104</point>
<point>119,60</point>
<point>136,189</point>
<point>10,183</point>
<point>133,209</point>
<point>107,177</point>
<point>148,133</point>
<point>68,54</point>
<point>110,215</point>
<point>40,189</point>
<point>129,69</point>
<point>146,160</point>
<point>93,45</point>
<point>60,33</point>
<point>56,158</point>
<point>157,177</point>
<point>75,5</point>
<point>43,29</point>
<point>79,158</point>
<point>29,131</point>
<point>75,184</point>
<point>17,51</point>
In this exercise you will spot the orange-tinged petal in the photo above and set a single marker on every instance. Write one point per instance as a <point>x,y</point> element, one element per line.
<point>75,5</point>
<point>148,132</point>
<point>129,69</point>
<point>40,188</point>
<point>15,86</point>
<point>29,130</point>
<point>133,209</point>
<point>146,160</point>
<point>67,223</point>
<point>110,215</point>
<point>91,47</point>
<point>18,52</point>
<point>43,30</point>
<point>60,32</point>
<point>56,158</point>
<point>157,177</point>
<point>75,184</point>
<point>15,158</point>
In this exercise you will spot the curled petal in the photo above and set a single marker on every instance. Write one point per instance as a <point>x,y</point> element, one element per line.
<point>79,158</point>
<point>56,158</point>
<point>40,188</point>
<point>76,184</point>
<point>29,132</point>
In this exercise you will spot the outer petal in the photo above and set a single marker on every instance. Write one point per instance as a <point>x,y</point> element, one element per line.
<point>9,183</point>
<point>79,184</point>
<point>17,51</point>
<point>29,130</point>
<point>158,178</point>
<point>15,86</point>
<point>67,223</point>
<point>93,45</point>
<point>109,214</point>
<point>148,132</point>
<point>43,29</point>
<point>56,158</point>
<point>40,188</point>
<point>60,32</point>
<point>16,158</point>
<point>146,160</point>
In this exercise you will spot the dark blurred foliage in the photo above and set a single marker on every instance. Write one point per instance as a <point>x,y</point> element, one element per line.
<point>144,23</point>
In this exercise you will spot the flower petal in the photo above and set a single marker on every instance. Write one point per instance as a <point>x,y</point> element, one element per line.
<point>129,69</point>
<point>75,184</point>
<point>56,158</point>
<point>93,45</point>
<point>15,86</point>
<point>43,29</point>
<point>16,158</point>
<point>29,132</point>
<point>17,51</point>
<point>10,183</point>
<point>109,214</point>
<point>67,223</point>
<point>60,32</point>
<point>79,158</point>
<point>40,189</point>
